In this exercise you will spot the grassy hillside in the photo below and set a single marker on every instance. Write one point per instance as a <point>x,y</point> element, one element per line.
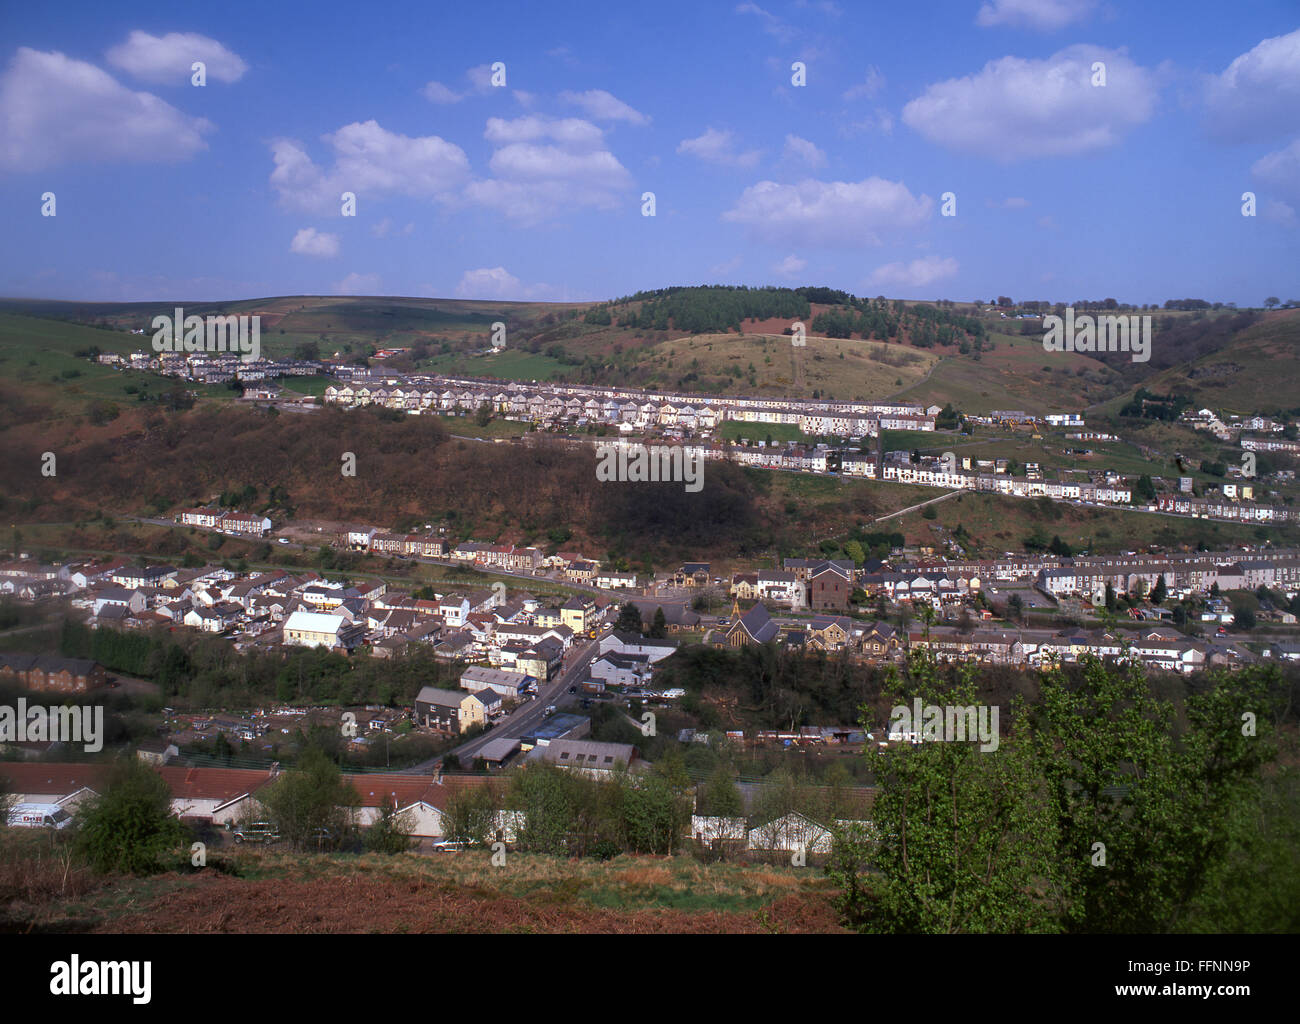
<point>1259,370</point>
<point>43,374</point>
<point>1017,374</point>
<point>713,346</point>
<point>281,892</point>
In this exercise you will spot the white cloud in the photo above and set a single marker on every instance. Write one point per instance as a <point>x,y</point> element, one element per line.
<point>1258,96</point>
<point>543,166</point>
<point>1015,109</point>
<point>480,84</point>
<point>523,161</point>
<point>310,242</point>
<point>871,85</point>
<point>480,78</point>
<point>1279,212</point>
<point>791,266</point>
<point>54,109</point>
<point>726,267</point>
<point>602,106</point>
<point>828,212</point>
<point>770,23</point>
<point>436,92</point>
<point>381,229</point>
<point>1010,203</point>
<point>801,149</point>
<point>717,147</point>
<point>498,283</point>
<point>572,132</point>
<point>369,161</point>
<point>358,284</point>
<point>1280,170</point>
<point>167,59</point>
<point>916,274</point>
<point>1043,15</point>
<point>488,283</point>
<point>881,122</point>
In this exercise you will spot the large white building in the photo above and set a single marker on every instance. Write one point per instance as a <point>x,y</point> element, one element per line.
<point>321,629</point>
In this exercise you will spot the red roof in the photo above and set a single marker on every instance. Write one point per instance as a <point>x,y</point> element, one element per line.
<point>62,779</point>
<point>377,788</point>
<point>212,783</point>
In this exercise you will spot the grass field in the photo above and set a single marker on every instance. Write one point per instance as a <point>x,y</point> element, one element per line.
<point>40,356</point>
<point>507,364</point>
<point>275,890</point>
<point>1018,374</point>
<point>1260,370</point>
<point>732,430</point>
<point>997,523</point>
<point>845,370</point>
<point>466,426</point>
<point>306,385</point>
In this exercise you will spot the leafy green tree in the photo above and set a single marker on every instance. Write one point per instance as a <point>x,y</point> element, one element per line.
<point>1160,591</point>
<point>1165,808</point>
<point>659,627</point>
<point>629,619</point>
<point>653,814</point>
<point>719,795</point>
<point>961,838</point>
<point>312,797</point>
<point>471,815</point>
<point>130,827</point>
<point>1101,811</point>
<point>7,800</point>
<point>392,832</point>
<point>545,795</point>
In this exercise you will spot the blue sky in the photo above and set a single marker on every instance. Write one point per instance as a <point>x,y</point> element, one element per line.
<point>533,189</point>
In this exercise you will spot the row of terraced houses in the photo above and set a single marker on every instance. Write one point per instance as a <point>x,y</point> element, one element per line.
<point>635,409</point>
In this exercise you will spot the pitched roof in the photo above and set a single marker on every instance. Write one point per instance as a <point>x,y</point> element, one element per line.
<point>213,783</point>
<point>758,624</point>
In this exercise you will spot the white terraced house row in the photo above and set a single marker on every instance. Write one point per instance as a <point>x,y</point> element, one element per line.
<point>541,403</point>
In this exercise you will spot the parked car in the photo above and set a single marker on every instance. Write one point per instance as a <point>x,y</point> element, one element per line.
<point>449,846</point>
<point>258,832</point>
<point>323,838</point>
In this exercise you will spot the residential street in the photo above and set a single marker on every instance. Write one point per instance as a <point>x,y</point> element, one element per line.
<point>525,717</point>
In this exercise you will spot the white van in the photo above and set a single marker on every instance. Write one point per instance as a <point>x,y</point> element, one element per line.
<point>39,816</point>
